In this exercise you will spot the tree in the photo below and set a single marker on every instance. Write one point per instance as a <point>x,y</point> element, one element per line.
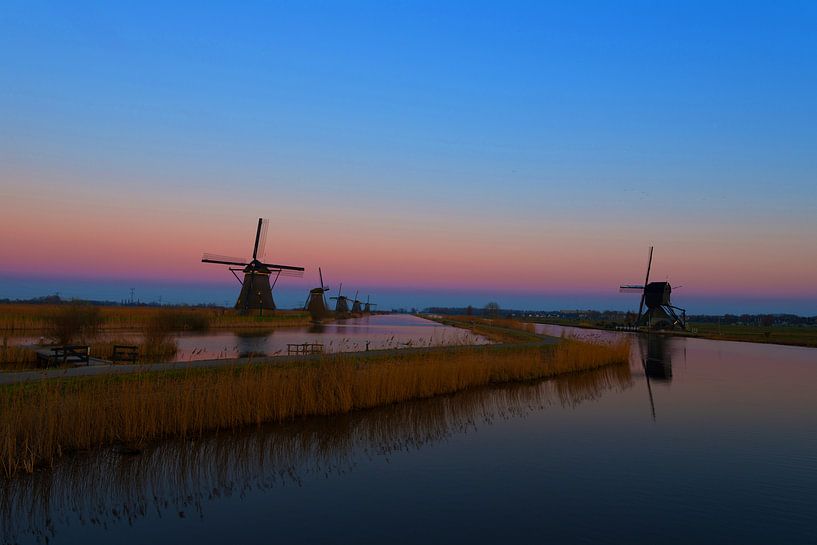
<point>492,309</point>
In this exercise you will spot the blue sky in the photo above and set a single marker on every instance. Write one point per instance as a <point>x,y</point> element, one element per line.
<point>576,132</point>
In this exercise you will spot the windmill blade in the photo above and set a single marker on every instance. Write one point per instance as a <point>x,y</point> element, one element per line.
<point>224,260</point>
<point>340,289</point>
<point>646,282</point>
<point>649,266</point>
<point>282,267</point>
<point>320,274</point>
<point>261,227</point>
<point>631,289</point>
<point>294,273</point>
<point>261,239</point>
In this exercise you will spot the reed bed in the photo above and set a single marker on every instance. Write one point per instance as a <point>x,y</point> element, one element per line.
<point>21,318</point>
<point>501,330</point>
<point>183,475</point>
<point>41,421</point>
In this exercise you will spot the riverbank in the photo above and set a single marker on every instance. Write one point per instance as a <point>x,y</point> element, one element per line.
<point>781,335</point>
<point>18,319</point>
<point>45,420</point>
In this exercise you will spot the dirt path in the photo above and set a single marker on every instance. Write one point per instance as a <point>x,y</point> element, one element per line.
<point>16,377</point>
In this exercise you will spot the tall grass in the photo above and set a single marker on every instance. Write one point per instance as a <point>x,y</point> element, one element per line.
<point>183,475</point>
<point>501,330</point>
<point>20,318</point>
<point>41,421</point>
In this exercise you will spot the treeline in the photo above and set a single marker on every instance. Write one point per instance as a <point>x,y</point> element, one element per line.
<point>617,316</point>
<point>763,320</point>
<point>57,300</point>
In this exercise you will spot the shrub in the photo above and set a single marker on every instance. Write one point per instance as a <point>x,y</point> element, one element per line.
<point>74,322</point>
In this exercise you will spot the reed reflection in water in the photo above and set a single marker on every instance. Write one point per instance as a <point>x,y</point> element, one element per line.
<point>179,478</point>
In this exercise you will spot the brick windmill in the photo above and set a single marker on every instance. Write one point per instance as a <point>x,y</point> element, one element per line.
<point>341,304</point>
<point>357,308</point>
<point>256,291</point>
<point>660,313</point>
<point>316,302</point>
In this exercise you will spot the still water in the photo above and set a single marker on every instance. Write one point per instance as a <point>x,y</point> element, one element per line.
<point>695,441</point>
<point>354,334</point>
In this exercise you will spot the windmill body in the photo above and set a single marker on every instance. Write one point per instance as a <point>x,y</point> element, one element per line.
<point>316,302</point>
<point>341,303</point>
<point>258,277</point>
<point>356,306</point>
<point>367,308</point>
<point>656,310</point>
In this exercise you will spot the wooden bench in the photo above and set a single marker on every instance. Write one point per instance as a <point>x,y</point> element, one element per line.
<point>125,353</point>
<point>64,355</point>
<point>304,349</point>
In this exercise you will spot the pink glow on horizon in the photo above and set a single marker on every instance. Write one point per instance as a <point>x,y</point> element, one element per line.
<point>167,244</point>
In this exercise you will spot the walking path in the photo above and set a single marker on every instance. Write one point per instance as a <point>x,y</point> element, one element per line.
<point>97,369</point>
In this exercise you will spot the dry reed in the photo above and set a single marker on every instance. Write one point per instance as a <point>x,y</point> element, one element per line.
<point>21,318</point>
<point>41,421</point>
<point>180,475</point>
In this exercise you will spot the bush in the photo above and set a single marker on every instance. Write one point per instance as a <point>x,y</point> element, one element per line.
<point>75,322</point>
<point>158,343</point>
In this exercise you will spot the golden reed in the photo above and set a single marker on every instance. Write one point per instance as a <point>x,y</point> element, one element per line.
<point>41,421</point>
<point>22,318</point>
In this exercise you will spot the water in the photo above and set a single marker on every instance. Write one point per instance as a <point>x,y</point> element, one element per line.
<point>718,446</point>
<point>379,331</point>
<point>354,334</point>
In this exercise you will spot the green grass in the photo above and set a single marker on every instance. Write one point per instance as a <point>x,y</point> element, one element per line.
<point>788,335</point>
<point>778,334</point>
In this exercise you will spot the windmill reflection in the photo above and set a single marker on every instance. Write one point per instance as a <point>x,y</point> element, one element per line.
<point>178,476</point>
<point>657,363</point>
<point>252,343</point>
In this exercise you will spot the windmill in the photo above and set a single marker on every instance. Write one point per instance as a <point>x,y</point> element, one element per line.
<point>316,302</point>
<point>356,308</point>
<point>256,291</point>
<point>367,308</point>
<point>342,304</point>
<point>660,313</point>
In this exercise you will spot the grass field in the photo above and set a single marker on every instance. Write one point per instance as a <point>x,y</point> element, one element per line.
<point>789,335</point>
<point>778,334</point>
<point>42,421</point>
<point>501,330</point>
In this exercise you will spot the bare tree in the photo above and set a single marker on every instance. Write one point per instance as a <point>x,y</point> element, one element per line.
<point>492,310</point>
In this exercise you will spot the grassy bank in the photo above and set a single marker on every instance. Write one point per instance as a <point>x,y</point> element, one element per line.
<point>500,330</point>
<point>788,335</point>
<point>42,421</point>
<point>30,319</point>
<point>778,334</point>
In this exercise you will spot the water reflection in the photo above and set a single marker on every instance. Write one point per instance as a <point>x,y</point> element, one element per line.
<point>658,358</point>
<point>181,477</point>
<point>317,328</point>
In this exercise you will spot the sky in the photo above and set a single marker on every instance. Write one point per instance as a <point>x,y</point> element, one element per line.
<point>426,153</point>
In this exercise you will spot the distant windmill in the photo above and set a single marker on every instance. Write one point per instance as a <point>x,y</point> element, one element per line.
<point>660,313</point>
<point>367,308</point>
<point>316,302</point>
<point>342,304</point>
<point>256,291</point>
<point>356,308</point>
